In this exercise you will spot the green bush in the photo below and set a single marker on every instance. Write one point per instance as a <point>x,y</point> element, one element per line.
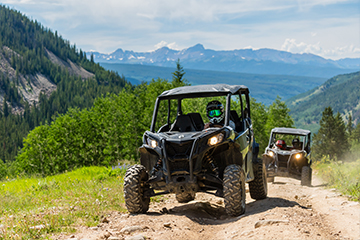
<point>343,176</point>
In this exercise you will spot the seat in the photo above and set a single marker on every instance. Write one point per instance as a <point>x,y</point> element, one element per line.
<point>236,119</point>
<point>197,121</point>
<point>183,123</point>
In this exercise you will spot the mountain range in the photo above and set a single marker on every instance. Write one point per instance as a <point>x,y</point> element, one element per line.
<point>261,61</point>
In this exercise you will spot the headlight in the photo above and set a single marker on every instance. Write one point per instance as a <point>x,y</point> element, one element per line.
<point>271,153</point>
<point>216,139</point>
<point>152,143</point>
<point>298,156</point>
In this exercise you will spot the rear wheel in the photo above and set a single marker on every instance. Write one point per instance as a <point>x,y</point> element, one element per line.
<point>234,190</point>
<point>185,197</point>
<point>134,188</point>
<point>306,175</point>
<point>258,186</point>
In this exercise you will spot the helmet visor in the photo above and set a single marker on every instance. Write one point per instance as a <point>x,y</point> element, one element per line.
<point>215,113</point>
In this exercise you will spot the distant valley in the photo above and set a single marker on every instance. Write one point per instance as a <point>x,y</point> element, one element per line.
<point>263,87</point>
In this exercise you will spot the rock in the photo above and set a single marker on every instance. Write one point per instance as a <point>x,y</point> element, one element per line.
<point>114,238</point>
<point>168,225</point>
<point>220,202</point>
<point>107,234</point>
<point>308,206</point>
<point>130,229</point>
<point>262,223</point>
<point>137,237</point>
<point>333,195</point>
<point>94,228</point>
<point>164,210</point>
<point>105,220</point>
<point>353,204</point>
<point>72,236</point>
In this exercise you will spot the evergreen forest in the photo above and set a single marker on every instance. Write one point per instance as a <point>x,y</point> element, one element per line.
<point>29,42</point>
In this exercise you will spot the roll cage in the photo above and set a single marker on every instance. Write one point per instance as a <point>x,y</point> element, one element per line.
<point>202,91</point>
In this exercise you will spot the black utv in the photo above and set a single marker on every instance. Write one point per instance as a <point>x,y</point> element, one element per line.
<point>286,160</point>
<point>179,156</point>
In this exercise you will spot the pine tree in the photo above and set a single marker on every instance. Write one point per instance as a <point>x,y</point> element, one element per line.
<point>331,139</point>
<point>278,115</point>
<point>349,126</point>
<point>356,134</point>
<point>178,75</point>
<point>5,108</point>
<point>341,137</point>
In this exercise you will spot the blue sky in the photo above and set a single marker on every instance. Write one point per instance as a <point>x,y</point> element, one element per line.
<point>328,28</point>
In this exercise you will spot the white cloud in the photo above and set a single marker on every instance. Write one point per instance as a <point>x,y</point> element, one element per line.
<point>161,44</point>
<point>290,45</point>
<point>141,25</point>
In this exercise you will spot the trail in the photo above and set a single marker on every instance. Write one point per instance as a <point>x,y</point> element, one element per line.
<point>291,211</point>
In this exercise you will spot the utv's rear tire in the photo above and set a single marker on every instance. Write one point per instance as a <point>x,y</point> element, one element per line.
<point>306,175</point>
<point>234,190</point>
<point>134,189</point>
<point>258,187</point>
<point>185,197</point>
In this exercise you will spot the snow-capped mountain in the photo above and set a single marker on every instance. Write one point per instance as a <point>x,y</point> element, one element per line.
<point>264,61</point>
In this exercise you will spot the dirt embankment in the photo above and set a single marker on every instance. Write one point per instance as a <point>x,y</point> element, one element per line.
<point>291,211</point>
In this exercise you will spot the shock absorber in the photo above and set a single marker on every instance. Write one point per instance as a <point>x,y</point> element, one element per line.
<point>156,168</point>
<point>210,160</point>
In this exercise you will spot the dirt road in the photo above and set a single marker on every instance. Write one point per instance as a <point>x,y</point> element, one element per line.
<point>291,211</point>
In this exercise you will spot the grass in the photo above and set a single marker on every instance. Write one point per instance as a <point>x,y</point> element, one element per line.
<point>343,176</point>
<point>37,208</point>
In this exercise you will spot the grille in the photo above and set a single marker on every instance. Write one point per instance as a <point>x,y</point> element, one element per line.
<point>282,160</point>
<point>178,151</point>
<point>179,166</point>
<point>178,155</point>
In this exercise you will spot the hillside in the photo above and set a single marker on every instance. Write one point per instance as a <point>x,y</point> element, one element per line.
<point>261,61</point>
<point>263,87</point>
<point>340,92</point>
<point>41,76</point>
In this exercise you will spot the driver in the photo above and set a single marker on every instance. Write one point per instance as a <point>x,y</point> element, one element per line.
<point>296,143</point>
<point>215,113</point>
<point>281,144</point>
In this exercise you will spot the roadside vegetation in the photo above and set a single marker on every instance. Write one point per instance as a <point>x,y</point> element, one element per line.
<point>36,208</point>
<point>336,149</point>
<point>343,176</point>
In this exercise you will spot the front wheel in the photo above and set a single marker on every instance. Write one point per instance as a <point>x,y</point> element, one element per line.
<point>306,175</point>
<point>134,189</point>
<point>258,187</point>
<point>234,190</point>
